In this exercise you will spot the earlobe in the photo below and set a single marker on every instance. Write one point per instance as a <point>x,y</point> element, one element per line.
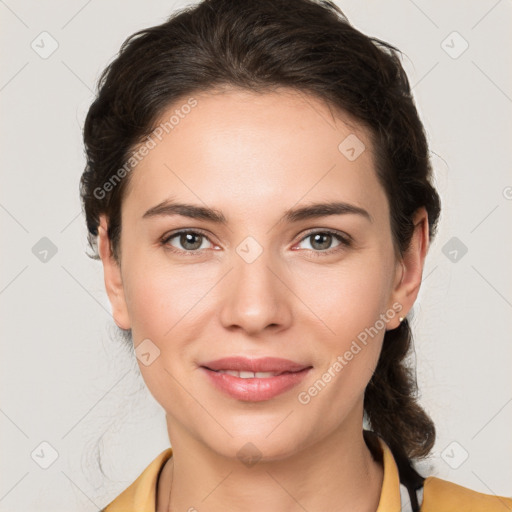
<point>112,277</point>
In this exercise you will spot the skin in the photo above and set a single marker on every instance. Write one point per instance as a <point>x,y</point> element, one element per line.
<point>252,157</point>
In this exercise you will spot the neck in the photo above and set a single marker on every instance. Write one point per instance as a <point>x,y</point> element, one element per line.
<point>340,466</point>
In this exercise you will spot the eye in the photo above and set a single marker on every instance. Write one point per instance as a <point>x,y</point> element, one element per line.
<point>321,242</point>
<point>193,241</point>
<point>189,241</point>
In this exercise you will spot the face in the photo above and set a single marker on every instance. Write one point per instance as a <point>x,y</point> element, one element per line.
<point>258,273</point>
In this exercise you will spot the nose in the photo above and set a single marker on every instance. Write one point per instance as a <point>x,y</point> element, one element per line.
<point>256,296</point>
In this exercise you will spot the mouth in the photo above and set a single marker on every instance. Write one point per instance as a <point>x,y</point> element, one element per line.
<point>254,380</point>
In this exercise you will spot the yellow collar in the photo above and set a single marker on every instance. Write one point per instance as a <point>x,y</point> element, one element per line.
<point>439,495</point>
<point>141,494</point>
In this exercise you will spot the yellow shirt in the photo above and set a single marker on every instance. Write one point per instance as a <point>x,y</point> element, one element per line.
<point>438,495</point>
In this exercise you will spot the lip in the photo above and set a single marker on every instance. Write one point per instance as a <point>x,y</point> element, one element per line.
<point>290,374</point>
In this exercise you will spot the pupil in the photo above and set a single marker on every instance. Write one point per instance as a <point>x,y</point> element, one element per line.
<point>322,235</point>
<point>185,239</point>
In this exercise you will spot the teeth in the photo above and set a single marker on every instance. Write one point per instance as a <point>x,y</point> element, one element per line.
<point>249,375</point>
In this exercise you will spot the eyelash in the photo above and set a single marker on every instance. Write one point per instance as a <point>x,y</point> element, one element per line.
<point>345,241</point>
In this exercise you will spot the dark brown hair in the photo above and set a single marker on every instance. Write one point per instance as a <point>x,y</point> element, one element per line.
<point>260,45</point>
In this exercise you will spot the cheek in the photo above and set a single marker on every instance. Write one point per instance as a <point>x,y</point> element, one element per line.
<point>348,301</point>
<point>345,298</point>
<point>161,296</point>
<point>149,306</point>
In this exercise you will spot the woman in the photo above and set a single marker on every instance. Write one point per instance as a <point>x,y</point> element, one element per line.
<point>258,188</point>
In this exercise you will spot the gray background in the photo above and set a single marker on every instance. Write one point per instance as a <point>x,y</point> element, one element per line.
<point>64,381</point>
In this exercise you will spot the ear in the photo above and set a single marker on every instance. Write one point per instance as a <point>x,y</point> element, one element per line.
<point>113,278</point>
<point>410,268</point>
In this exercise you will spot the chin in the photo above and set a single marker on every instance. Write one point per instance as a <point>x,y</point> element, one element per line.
<point>263,441</point>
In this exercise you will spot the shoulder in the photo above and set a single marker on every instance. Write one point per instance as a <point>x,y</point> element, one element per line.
<point>444,496</point>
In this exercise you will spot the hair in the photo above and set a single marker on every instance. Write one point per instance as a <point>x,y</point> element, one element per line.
<point>305,45</point>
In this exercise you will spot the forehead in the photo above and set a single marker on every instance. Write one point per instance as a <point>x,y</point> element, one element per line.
<point>237,149</point>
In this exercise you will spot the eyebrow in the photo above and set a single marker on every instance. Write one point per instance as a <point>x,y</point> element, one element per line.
<point>312,211</point>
